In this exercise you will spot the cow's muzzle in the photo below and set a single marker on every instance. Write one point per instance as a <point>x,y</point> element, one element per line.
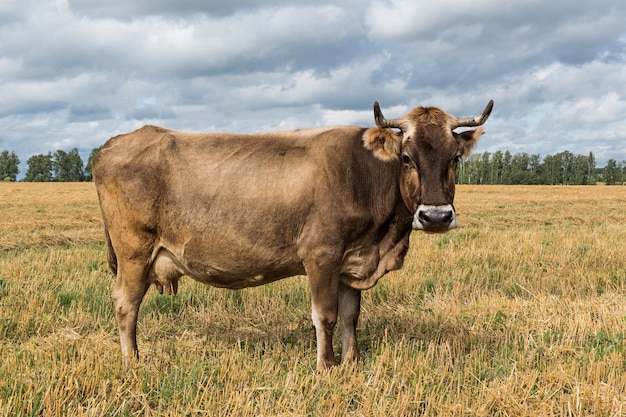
<point>435,218</point>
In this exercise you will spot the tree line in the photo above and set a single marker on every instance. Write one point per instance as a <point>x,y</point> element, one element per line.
<point>563,168</point>
<point>486,168</point>
<point>59,166</point>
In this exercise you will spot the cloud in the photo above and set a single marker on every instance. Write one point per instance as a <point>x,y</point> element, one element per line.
<point>590,111</point>
<point>125,10</point>
<point>81,113</point>
<point>454,41</point>
<point>76,72</point>
<point>154,46</point>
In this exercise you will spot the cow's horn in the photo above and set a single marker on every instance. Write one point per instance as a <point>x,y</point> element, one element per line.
<point>382,122</point>
<point>476,120</point>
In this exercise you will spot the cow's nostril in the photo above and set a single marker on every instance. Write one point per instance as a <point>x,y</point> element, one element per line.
<point>435,218</point>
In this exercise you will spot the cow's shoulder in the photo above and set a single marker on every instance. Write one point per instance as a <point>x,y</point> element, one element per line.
<point>134,141</point>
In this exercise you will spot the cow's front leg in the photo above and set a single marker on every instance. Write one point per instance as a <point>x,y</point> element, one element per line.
<point>349,310</point>
<point>324,313</point>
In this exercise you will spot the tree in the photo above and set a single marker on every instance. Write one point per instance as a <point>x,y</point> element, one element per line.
<point>9,166</point>
<point>566,162</point>
<point>39,168</point>
<point>506,168</point>
<point>591,169</point>
<point>610,172</point>
<point>579,171</point>
<point>562,168</point>
<point>519,173</point>
<point>484,169</point>
<point>468,170</point>
<point>59,168</point>
<point>92,156</point>
<point>67,166</point>
<point>536,169</point>
<point>549,170</point>
<point>75,164</point>
<point>497,167</point>
<point>620,173</point>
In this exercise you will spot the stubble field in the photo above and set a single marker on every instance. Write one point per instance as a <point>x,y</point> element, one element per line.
<point>519,312</point>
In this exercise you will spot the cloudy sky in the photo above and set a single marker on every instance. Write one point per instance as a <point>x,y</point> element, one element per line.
<point>75,72</point>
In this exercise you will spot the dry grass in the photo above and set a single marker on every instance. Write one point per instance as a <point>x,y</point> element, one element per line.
<point>43,214</point>
<point>520,312</point>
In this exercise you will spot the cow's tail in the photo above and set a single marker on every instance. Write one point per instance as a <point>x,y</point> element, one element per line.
<point>111,257</point>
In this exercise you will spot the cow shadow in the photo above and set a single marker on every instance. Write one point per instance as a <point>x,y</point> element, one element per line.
<point>457,337</point>
<point>425,332</point>
<point>381,327</point>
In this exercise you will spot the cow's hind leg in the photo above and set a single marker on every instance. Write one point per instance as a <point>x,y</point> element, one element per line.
<point>130,287</point>
<point>349,310</point>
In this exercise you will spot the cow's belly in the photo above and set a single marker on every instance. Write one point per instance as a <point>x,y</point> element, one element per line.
<point>251,276</point>
<point>224,266</point>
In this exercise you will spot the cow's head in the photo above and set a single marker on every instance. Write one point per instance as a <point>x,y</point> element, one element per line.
<point>429,150</point>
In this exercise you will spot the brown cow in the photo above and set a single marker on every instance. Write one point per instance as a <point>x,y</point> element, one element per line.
<point>239,210</point>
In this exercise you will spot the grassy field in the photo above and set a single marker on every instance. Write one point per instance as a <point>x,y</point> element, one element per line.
<point>519,312</point>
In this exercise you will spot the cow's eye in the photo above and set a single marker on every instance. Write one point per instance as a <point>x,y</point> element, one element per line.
<point>457,159</point>
<point>406,160</point>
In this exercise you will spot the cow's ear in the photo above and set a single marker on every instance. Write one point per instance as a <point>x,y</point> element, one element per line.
<point>385,144</point>
<point>469,139</point>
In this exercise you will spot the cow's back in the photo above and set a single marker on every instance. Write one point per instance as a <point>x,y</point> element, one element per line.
<point>277,171</point>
